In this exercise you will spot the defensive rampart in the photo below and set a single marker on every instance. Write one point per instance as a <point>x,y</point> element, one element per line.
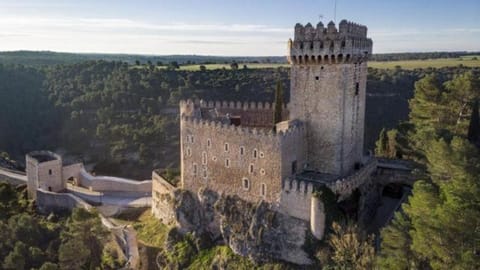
<point>114,184</point>
<point>327,45</point>
<point>162,199</point>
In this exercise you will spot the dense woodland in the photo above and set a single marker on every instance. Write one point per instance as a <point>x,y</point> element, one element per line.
<point>439,226</point>
<point>74,240</point>
<point>113,114</point>
<point>47,58</point>
<point>125,119</point>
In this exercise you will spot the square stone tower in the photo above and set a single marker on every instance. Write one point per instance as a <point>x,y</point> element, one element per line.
<point>44,171</point>
<point>328,83</point>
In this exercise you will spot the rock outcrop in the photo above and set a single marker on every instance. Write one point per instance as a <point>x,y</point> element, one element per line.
<point>253,230</point>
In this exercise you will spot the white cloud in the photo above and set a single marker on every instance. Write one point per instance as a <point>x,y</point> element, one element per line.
<point>128,36</point>
<point>130,24</point>
<point>119,35</point>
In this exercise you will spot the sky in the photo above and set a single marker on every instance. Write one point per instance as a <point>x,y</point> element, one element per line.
<point>230,28</point>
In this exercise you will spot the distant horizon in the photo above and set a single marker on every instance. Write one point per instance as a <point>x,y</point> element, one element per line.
<point>209,55</point>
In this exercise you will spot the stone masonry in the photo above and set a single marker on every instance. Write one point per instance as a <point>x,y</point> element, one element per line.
<point>235,150</point>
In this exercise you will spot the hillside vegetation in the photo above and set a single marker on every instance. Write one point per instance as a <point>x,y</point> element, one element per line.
<point>74,240</point>
<point>125,119</point>
<point>438,228</point>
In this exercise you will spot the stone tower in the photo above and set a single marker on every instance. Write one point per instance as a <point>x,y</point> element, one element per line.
<point>44,171</point>
<point>328,83</point>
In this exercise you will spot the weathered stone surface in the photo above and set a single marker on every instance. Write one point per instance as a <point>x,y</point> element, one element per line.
<point>252,230</point>
<point>258,232</point>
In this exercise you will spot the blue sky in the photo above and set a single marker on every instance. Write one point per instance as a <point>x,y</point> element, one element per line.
<point>214,27</point>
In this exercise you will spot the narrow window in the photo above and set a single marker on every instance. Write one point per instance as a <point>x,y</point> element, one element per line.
<point>205,173</point>
<point>226,147</point>
<point>263,190</point>
<point>209,143</point>
<point>194,169</point>
<point>227,163</point>
<point>250,169</point>
<point>357,88</point>
<point>255,153</point>
<point>246,184</point>
<point>204,158</point>
<point>189,152</point>
<point>294,167</point>
<point>191,139</point>
<point>242,150</point>
<point>49,172</point>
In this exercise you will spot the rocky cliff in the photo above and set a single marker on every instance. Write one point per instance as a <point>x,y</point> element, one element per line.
<point>253,230</point>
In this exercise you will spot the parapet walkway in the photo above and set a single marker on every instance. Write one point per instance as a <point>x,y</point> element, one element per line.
<point>16,175</point>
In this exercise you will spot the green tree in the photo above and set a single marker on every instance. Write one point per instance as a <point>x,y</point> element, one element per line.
<point>16,259</point>
<point>49,266</point>
<point>234,65</point>
<point>352,248</point>
<point>278,110</point>
<point>474,126</point>
<point>82,242</point>
<point>396,253</point>
<point>381,146</point>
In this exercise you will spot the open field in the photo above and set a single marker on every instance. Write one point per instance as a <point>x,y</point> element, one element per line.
<point>470,61</point>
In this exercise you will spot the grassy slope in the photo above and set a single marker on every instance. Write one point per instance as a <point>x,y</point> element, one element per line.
<point>152,234</point>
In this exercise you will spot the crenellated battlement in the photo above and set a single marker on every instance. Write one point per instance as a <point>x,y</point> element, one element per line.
<point>298,186</point>
<point>345,186</point>
<point>215,104</point>
<point>327,45</point>
<point>252,114</point>
<point>224,127</point>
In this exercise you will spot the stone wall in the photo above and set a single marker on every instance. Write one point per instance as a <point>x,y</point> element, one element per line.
<point>233,160</point>
<point>10,180</point>
<point>328,90</point>
<point>12,177</point>
<point>344,187</point>
<point>72,171</point>
<point>163,196</point>
<point>296,199</point>
<point>251,114</point>
<point>325,97</point>
<point>47,201</point>
<point>114,184</point>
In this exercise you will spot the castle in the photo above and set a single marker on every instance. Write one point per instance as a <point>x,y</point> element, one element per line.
<point>235,148</point>
<point>256,184</point>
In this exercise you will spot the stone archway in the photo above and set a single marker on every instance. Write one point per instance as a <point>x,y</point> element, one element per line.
<point>351,205</point>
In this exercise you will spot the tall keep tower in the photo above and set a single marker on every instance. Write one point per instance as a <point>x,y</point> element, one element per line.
<point>328,83</point>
